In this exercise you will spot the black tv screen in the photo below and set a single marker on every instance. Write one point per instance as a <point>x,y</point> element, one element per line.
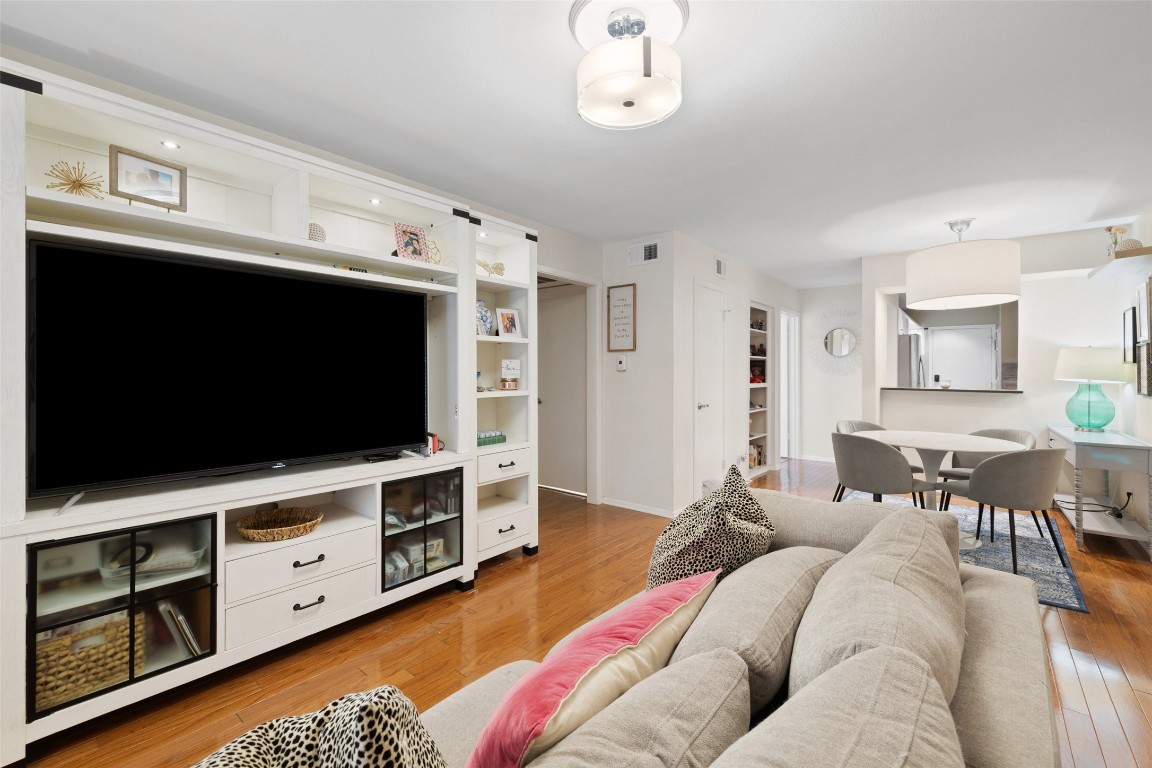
<point>148,366</point>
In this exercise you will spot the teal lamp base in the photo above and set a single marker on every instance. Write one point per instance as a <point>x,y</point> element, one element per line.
<point>1090,410</point>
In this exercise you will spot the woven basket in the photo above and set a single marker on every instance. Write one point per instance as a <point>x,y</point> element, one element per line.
<point>67,670</point>
<point>279,524</point>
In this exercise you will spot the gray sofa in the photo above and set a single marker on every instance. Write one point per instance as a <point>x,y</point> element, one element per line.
<point>970,675</point>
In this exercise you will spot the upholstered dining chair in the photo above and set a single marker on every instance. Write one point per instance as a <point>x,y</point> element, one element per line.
<point>963,462</point>
<point>875,468</point>
<point>1021,480</point>
<point>847,427</point>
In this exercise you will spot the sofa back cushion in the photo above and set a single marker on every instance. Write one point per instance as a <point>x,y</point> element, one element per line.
<point>755,612</point>
<point>684,715</point>
<point>897,587</point>
<point>595,668</point>
<point>880,708</point>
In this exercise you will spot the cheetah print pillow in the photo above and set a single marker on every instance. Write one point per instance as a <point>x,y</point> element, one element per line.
<point>373,729</point>
<point>724,530</point>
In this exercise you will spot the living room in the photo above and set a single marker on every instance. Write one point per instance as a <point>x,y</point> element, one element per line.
<point>829,267</point>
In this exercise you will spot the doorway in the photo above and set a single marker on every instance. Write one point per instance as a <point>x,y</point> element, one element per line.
<point>789,386</point>
<point>963,356</point>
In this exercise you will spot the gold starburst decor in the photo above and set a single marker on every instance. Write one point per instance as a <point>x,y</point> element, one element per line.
<point>75,179</point>
<point>496,268</point>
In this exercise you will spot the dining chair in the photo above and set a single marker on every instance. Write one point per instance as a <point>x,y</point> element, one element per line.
<point>1021,480</point>
<point>963,462</point>
<point>875,468</point>
<point>847,427</point>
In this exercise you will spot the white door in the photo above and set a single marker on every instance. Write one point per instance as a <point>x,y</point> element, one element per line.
<point>563,386</point>
<point>708,378</point>
<point>966,355</point>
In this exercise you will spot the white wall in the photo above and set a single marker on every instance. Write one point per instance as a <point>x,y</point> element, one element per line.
<point>829,388</point>
<point>563,387</point>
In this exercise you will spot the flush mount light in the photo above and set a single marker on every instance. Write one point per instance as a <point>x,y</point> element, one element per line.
<point>977,273</point>
<point>169,144</point>
<point>482,234</point>
<point>631,76</point>
<point>375,201</point>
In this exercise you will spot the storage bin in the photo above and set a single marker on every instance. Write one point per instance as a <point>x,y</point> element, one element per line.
<point>92,658</point>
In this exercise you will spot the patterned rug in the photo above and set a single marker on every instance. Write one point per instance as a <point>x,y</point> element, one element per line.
<point>1035,557</point>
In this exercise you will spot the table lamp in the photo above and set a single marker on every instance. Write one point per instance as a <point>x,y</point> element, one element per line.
<point>1089,409</point>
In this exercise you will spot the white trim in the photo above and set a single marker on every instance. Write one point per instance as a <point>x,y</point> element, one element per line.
<point>639,508</point>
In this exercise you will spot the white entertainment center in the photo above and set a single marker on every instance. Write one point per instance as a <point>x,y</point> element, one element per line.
<point>250,202</point>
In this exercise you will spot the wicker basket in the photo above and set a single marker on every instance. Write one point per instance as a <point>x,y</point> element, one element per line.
<point>76,665</point>
<point>279,524</point>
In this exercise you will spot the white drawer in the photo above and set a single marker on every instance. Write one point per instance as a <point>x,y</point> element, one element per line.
<point>1057,441</point>
<point>491,533</point>
<point>279,568</point>
<point>292,607</point>
<point>496,466</point>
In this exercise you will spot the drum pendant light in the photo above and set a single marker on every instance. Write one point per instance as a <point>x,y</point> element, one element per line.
<point>976,273</point>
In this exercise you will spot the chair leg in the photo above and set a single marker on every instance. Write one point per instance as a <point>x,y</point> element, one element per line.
<point>979,519</point>
<point>1051,532</point>
<point>839,492</point>
<point>991,523</point>
<point>1012,535</point>
<point>877,497</point>
<point>945,501</point>
<point>1037,521</point>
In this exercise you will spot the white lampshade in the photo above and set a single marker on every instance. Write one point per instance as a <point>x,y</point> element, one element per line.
<point>628,83</point>
<point>1091,364</point>
<point>976,273</point>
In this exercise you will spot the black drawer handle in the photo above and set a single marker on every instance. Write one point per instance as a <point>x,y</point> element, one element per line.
<point>505,530</point>
<point>299,564</point>
<point>299,607</point>
<point>505,466</point>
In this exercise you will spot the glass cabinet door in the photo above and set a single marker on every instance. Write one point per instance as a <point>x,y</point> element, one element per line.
<point>422,525</point>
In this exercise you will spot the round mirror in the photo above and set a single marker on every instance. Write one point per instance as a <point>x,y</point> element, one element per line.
<point>839,342</point>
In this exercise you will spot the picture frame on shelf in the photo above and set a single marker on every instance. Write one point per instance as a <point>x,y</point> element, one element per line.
<point>147,179</point>
<point>1129,337</point>
<point>411,243</point>
<point>508,323</point>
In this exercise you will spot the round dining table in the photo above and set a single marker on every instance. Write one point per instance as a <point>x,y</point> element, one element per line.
<point>934,446</point>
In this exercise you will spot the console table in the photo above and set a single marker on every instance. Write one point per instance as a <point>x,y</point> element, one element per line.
<point>1108,451</point>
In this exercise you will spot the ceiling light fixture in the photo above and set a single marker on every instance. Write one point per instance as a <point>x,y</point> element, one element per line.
<point>630,77</point>
<point>977,273</point>
<point>169,144</point>
<point>375,201</point>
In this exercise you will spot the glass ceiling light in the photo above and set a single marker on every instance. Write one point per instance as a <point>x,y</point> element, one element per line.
<point>977,273</point>
<point>630,77</point>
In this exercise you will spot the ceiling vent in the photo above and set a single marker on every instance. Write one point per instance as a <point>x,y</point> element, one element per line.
<point>643,253</point>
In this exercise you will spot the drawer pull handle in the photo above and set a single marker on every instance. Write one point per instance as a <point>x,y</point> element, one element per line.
<point>299,564</point>
<point>505,466</point>
<point>505,530</point>
<point>299,607</point>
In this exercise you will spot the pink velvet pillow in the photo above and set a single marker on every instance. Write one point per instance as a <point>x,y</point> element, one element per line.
<point>592,670</point>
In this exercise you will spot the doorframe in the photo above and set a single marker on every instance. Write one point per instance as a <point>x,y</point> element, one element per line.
<point>594,364</point>
<point>791,388</point>
<point>725,380</point>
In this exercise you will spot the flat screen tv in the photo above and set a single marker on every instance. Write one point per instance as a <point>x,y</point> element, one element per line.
<point>150,366</point>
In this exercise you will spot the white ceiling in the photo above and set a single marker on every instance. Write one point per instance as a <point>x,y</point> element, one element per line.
<point>812,133</point>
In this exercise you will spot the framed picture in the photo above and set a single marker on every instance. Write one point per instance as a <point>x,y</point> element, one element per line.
<point>410,243</point>
<point>1129,336</point>
<point>147,179</point>
<point>622,318</point>
<point>1142,313</point>
<point>508,323</point>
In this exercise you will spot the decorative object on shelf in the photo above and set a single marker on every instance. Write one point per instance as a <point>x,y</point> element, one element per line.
<point>506,384</point>
<point>1130,244</point>
<point>761,351</point>
<point>147,179</point>
<point>630,77</point>
<point>945,384</point>
<point>977,273</point>
<point>410,243</point>
<point>484,323</point>
<point>509,371</point>
<point>622,318</point>
<point>1128,340</point>
<point>75,179</point>
<point>85,657</point>
<point>756,376</point>
<point>316,233</point>
<point>508,323</point>
<point>434,254</point>
<point>490,437</point>
<point>279,524</point>
<point>1089,409</point>
<point>495,268</point>
<point>1115,234</point>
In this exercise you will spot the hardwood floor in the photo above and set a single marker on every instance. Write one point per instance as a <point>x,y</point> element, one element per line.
<point>591,557</point>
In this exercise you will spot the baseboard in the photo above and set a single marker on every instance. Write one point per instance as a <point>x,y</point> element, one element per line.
<point>581,494</point>
<point>639,508</point>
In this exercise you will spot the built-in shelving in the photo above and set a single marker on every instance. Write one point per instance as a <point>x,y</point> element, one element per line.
<point>759,342</point>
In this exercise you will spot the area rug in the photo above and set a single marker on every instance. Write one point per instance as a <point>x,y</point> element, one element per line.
<point>1056,585</point>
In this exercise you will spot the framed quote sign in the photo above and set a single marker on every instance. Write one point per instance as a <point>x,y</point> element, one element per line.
<point>622,318</point>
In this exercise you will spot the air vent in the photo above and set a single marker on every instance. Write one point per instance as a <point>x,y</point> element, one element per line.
<point>721,268</point>
<point>643,253</point>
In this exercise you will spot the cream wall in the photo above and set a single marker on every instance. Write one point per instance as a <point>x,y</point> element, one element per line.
<point>829,389</point>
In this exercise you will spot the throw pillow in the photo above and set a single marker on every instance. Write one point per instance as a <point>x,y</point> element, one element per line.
<point>724,530</point>
<point>684,715</point>
<point>755,612</point>
<point>896,587</point>
<point>882,707</point>
<point>373,729</point>
<point>594,669</point>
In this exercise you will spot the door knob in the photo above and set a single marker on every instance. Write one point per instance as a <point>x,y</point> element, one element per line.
<point>701,406</point>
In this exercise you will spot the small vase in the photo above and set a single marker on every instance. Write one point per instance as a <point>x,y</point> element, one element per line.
<point>484,318</point>
<point>317,233</point>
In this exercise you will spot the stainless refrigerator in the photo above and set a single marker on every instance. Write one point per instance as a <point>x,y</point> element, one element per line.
<point>909,362</point>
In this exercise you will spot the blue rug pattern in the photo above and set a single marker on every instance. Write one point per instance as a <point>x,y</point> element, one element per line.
<point>1036,558</point>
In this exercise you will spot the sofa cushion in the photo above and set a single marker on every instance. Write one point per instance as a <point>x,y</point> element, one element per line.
<point>897,587</point>
<point>724,530</point>
<point>684,715</point>
<point>590,672</point>
<point>371,729</point>
<point>878,709</point>
<point>755,612</point>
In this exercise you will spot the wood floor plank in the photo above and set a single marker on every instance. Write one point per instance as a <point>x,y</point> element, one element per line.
<point>592,557</point>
